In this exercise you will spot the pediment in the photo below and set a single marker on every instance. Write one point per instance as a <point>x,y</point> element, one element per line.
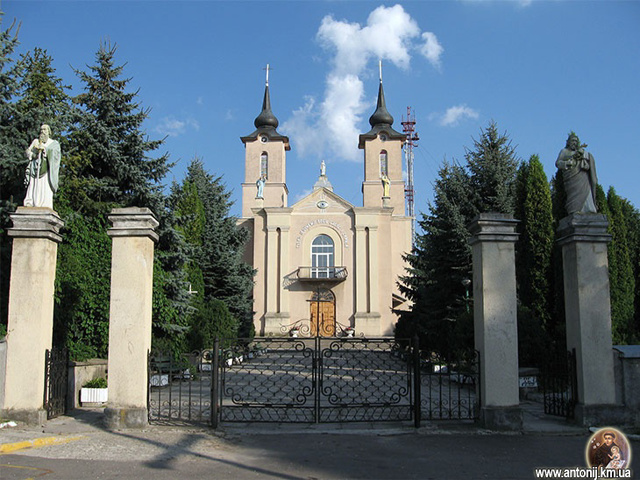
<point>321,201</point>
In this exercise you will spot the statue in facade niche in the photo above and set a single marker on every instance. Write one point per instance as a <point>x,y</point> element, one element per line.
<point>385,185</point>
<point>579,175</point>
<point>260,185</point>
<point>42,172</point>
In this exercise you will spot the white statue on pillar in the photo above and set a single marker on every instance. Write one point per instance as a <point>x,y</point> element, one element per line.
<point>42,171</point>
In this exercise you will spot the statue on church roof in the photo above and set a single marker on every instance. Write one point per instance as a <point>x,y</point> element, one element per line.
<point>323,169</point>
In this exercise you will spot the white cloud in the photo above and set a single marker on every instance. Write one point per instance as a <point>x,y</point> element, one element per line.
<point>173,127</point>
<point>330,128</point>
<point>431,49</point>
<point>455,115</point>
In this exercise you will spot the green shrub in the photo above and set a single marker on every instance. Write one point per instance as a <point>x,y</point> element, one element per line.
<point>96,383</point>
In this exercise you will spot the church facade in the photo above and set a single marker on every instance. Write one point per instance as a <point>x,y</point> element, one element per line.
<point>324,266</point>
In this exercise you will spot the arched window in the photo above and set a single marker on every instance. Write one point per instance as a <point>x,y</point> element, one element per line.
<point>384,169</point>
<point>322,257</point>
<point>264,165</point>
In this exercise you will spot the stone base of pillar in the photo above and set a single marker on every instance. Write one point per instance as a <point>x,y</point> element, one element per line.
<point>600,415</point>
<point>386,202</point>
<point>501,418</point>
<point>30,417</point>
<point>117,418</point>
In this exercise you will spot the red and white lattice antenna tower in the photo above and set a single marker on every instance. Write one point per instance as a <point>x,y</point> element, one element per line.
<point>409,129</point>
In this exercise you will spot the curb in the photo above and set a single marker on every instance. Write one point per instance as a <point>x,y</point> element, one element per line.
<point>37,443</point>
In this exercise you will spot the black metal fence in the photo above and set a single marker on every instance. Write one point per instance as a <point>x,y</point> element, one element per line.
<point>56,373</point>
<point>310,380</point>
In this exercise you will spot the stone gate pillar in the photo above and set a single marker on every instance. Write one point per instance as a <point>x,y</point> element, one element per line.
<point>36,236</point>
<point>584,238</point>
<point>493,240</point>
<point>133,239</point>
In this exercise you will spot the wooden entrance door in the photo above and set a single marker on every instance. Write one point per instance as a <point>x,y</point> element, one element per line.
<point>326,311</point>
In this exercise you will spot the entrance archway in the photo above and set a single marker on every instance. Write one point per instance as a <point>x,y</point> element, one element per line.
<point>323,313</point>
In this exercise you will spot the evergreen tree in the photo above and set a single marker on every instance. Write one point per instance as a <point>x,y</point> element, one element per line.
<point>493,166</point>
<point>216,244</point>
<point>535,243</point>
<point>621,279</point>
<point>632,217</point>
<point>439,263</point>
<point>111,166</point>
<point>533,260</point>
<point>441,260</point>
<point>108,166</point>
<point>9,78</point>
<point>556,329</point>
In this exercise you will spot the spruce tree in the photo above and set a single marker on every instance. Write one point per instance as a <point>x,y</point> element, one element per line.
<point>493,165</point>
<point>439,263</point>
<point>109,165</point>
<point>217,245</point>
<point>112,166</point>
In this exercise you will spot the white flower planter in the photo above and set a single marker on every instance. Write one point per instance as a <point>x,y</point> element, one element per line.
<point>94,395</point>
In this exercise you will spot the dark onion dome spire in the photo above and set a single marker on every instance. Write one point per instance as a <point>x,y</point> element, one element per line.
<point>266,118</point>
<point>381,120</point>
<point>381,116</point>
<point>266,123</point>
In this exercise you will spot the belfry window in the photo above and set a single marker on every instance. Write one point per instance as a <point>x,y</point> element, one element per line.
<point>384,169</point>
<point>264,165</point>
<point>322,257</point>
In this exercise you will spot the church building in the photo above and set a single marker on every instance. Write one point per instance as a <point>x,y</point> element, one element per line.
<point>324,266</point>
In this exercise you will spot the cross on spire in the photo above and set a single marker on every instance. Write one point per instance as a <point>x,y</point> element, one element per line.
<point>267,69</point>
<point>380,69</point>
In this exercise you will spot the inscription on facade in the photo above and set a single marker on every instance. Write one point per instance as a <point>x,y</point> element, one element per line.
<point>322,221</point>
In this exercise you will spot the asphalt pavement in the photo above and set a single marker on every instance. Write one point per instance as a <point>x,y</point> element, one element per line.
<point>79,447</point>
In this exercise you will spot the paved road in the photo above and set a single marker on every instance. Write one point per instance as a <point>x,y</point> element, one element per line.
<point>79,448</point>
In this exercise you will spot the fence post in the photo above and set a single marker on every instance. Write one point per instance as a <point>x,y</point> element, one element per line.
<point>417,395</point>
<point>215,378</point>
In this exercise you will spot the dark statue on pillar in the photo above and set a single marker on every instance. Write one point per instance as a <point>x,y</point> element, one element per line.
<point>579,175</point>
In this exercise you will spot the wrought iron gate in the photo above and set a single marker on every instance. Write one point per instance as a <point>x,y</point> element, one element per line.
<point>559,385</point>
<point>317,380</point>
<point>310,380</point>
<point>56,373</point>
<point>450,388</point>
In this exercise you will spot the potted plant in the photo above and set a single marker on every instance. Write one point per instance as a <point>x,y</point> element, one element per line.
<point>294,331</point>
<point>94,391</point>
<point>349,331</point>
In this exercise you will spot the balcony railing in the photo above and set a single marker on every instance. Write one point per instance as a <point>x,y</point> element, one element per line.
<point>312,274</point>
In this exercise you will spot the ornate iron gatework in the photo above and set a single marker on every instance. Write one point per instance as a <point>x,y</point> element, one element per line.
<point>311,380</point>
<point>559,385</point>
<point>55,382</point>
<point>449,389</point>
<point>314,380</point>
<point>363,379</point>
<point>181,388</point>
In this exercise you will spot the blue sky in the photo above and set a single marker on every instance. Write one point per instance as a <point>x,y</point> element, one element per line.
<point>538,68</point>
